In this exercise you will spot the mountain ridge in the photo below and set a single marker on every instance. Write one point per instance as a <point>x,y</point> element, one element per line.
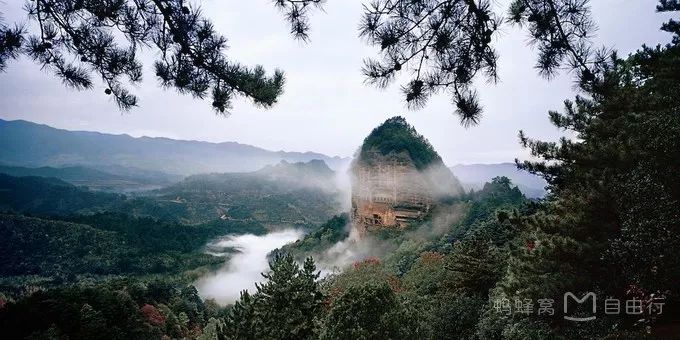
<point>28,144</point>
<point>473,176</point>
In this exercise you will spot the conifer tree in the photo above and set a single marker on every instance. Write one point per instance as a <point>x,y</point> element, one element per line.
<point>612,221</point>
<point>79,40</point>
<point>446,44</point>
<point>370,311</point>
<point>242,322</point>
<point>284,307</point>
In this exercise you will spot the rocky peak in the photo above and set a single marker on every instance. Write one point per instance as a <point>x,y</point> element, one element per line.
<point>398,177</point>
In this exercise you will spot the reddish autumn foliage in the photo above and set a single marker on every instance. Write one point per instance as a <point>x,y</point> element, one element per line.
<point>2,303</point>
<point>153,315</point>
<point>431,257</point>
<point>333,295</point>
<point>531,245</point>
<point>367,262</point>
<point>395,284</point>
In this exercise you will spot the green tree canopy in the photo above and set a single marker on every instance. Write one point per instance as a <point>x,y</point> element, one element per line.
<point>370,311</point>
<point>396,136</point>
<point>612,221</point>
<point>284,307</point>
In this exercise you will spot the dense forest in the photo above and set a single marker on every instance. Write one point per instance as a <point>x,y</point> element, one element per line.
<point>141,305</point>
<point>270,197</point>
<point>55,233</point>
<point>397,136</point>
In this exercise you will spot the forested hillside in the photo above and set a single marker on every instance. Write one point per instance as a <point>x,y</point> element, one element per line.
<point>272,196</point>
<point>51,252</point>
<point>51,196</point>
<point>275,196</point>
<point>409,273</point>
<point>56,233</point>
<point>117,179</point>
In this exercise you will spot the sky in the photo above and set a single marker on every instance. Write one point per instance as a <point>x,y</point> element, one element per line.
<point>326,106</point>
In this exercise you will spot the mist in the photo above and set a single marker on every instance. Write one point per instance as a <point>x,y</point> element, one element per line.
<point>242,269</point>
<point>358,247</point>
<point>246,256</point>
<point>436,180</point>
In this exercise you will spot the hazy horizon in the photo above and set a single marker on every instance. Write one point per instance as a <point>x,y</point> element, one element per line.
<point>236,142</point>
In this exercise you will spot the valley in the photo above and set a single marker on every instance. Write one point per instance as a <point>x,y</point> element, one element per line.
<point>195,254</point>
<point>65,227</point>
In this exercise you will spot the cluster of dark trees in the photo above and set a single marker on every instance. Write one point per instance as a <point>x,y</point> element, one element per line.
<point>119,309</point>
<point>395,135</point>
<point>327,235</point>
<point>66,249</point>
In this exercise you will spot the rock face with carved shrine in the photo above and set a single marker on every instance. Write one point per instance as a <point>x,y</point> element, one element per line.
<point>397,178</point>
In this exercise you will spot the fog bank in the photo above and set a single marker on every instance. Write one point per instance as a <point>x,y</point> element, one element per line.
<point>243,269</point>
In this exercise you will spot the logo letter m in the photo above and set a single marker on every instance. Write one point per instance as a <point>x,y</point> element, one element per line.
<point>585,298</point>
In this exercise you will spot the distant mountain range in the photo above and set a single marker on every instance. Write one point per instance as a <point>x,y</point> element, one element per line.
<point>473,176</point>
<point>123,163</point>
<point>27,144</point>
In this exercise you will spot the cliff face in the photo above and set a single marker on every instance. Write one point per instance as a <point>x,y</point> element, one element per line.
<point>390,193</point>
<point>397,178</point>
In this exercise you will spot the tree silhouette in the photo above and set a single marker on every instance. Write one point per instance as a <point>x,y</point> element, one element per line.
<point>10,43</point>
<point>297,13</point>
<point>445,44</point>
<point>82,39</point>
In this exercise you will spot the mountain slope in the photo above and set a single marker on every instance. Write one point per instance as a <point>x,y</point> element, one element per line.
<point>43,247</point>
<point>28,144</point>
<point>51,196</point>
<point>119,180</point>
<point>302,194</point>
<point>282,195</point>
<point>473,176</point>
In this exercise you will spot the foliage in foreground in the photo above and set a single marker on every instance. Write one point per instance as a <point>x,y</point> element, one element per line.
<point>123,309</point>
<point>82,40</point>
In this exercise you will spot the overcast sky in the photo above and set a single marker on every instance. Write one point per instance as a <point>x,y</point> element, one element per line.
<point>326,107</point>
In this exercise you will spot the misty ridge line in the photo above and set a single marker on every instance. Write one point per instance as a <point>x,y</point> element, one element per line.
<point>23,143</point>
<point>6,124</point>
<point>165,160</point>
<point>160,138</point>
